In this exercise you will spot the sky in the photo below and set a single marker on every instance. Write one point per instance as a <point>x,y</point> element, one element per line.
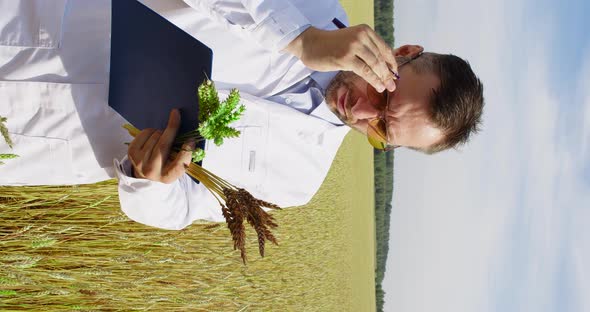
<point>503,224</point>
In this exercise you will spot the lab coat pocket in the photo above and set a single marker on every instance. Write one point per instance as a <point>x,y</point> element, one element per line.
<point>31,23</point>
<point>239,160</point>
<point>27,169</point>
<point>40,120</point>
<point>254,155</point>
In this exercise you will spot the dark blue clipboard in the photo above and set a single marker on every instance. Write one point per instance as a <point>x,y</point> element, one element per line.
<point>155,67</point>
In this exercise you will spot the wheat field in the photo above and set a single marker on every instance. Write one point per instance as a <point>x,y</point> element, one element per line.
<point>70,248</point>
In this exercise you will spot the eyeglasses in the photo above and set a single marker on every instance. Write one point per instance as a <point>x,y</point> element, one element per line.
<point>377,127</point>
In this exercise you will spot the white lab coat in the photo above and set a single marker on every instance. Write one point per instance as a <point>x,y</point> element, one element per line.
<point>54,62</point>
<point>282,156</point>
<point>55,81</point>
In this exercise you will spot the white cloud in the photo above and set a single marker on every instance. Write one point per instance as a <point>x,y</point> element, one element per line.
<point>501,225</point>
<point>436,263</point>
<point>579,195</point>
<point>530,246</point>
<point>583,83</point>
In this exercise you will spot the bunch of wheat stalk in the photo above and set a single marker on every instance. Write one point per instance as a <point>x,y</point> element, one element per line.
<point>237,204</point>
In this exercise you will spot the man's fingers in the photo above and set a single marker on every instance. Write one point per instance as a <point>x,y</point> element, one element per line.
<point>150,150</point>
<point>167,138</point>
<point>135,148</point>
<point>385,50</point>
<point>385,57</point>
<point>177,167</point>
<point>149,145</point>
<point>372,57</point>
<point>377,55</point>
<point>361,68</point>
<point>140,139</point>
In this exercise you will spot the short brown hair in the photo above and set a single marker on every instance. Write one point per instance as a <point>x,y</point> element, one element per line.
<point>457,105</point>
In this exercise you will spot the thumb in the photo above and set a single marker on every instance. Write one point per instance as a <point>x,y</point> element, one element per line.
<point>167,137</point>
<point>181,162</point>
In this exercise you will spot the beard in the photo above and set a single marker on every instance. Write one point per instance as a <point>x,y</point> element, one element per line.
<point>342,80</point>
<point>346,79</point>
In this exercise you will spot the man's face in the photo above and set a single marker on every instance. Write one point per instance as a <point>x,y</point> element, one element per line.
<point>407,113</point>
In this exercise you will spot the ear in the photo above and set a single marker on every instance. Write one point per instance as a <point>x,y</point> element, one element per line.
<point>408,50</point>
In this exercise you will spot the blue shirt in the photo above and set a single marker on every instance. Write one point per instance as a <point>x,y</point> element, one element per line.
<point>308,97</point>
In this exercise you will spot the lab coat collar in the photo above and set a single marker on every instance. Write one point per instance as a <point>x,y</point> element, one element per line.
<point>323,79</point>
<point>323,111</point>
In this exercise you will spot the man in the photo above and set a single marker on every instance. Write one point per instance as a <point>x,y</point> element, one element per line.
<point>53,82</point>
<point>283,155</point>
<point>54,73</point>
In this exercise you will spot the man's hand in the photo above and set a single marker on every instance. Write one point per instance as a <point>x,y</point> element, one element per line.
<point>151,148</point>
<point>358,49</point>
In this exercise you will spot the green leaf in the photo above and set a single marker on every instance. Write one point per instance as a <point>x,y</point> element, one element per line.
<point>208,99</point>
<point>7,156</point>
<point>217,117</point>
<point>7,292</point>
<point>198,155</point>
<point>4,131</point>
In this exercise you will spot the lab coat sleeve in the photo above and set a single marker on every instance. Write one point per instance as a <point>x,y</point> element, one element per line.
<point>166,206</point>
<point>272,23</point>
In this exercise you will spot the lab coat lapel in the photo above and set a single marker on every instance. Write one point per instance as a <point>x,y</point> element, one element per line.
<point>279,149</point>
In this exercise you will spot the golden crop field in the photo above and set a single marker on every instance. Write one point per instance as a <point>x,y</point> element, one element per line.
<point>70,248</point>
<point>359,11</point>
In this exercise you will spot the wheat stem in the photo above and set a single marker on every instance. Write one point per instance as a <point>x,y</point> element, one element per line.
<point>236,204</point>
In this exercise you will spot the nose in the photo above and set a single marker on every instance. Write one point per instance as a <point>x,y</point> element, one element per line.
<point>364,109</point>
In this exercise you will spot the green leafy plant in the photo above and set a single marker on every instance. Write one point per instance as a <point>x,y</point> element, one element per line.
<point>215,116</point>
<point>215,125</point>
<point>238,206</point>
<point>4,132</point>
